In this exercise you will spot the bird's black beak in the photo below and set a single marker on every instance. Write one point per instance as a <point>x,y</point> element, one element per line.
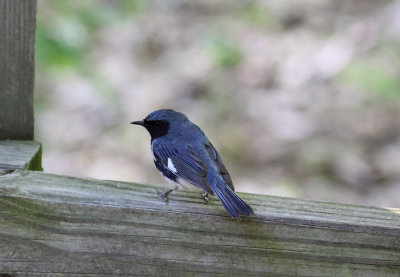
<point>139,122</point>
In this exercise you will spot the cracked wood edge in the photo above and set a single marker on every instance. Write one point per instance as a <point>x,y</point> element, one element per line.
<point>17,154</point>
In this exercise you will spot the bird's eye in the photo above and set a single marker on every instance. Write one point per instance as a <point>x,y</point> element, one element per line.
<point>157,122</point>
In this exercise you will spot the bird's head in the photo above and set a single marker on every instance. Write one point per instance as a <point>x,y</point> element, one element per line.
<point>159,122</point>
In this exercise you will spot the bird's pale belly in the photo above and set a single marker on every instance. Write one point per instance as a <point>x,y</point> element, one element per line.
<point>179,184</point>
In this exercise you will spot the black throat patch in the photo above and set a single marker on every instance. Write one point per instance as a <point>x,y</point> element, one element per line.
<point>157,128</point>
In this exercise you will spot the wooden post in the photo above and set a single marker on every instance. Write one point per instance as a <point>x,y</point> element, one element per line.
<point>17,45</point>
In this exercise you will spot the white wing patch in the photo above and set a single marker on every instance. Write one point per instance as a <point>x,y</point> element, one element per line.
<point>171,166</point>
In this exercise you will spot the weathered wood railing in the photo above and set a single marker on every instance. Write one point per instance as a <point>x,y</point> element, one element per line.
<point>53,225</point>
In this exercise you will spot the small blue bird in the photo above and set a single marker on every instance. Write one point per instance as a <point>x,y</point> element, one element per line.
<point>182,153</point>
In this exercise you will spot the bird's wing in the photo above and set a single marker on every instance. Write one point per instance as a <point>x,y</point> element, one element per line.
<point>184,163</point>
<point>220,165</point>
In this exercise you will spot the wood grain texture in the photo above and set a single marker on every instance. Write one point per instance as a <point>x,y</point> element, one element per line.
<point>17,40</point>
<point>67,226</point>
<point>16,154</point>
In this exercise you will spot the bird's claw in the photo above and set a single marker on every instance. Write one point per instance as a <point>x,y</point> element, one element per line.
<point>204,195</point>
<point>164,195</point>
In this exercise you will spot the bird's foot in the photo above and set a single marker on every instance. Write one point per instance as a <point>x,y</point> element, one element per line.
<point>204,195</point>
<point>164,195</point>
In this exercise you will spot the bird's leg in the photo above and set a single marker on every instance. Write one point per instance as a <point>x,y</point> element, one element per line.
<point>164,195</point>
<point>204,195</point>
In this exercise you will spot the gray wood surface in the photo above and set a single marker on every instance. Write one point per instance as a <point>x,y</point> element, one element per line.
<point>16,154</point>
<point>54,225</point>
<point>17,39</point>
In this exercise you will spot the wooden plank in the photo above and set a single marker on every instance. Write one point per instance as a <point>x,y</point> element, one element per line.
<point>16,154</point>
<point>17,40</point>
<point>81,227</point>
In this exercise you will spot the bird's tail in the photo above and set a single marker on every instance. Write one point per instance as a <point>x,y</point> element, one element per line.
<point>232,203</point>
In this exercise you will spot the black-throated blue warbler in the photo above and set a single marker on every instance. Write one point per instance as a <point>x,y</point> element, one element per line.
<point>182,153</point>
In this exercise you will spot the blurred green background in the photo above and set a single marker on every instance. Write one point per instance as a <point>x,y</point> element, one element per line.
<point>302,98</point>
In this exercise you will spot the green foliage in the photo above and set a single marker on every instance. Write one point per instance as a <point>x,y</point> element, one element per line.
<point>64,34</point>
<point>59,49</point>
<point>225,53</point>
<point>256,15</point>
<point>376,80</point>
